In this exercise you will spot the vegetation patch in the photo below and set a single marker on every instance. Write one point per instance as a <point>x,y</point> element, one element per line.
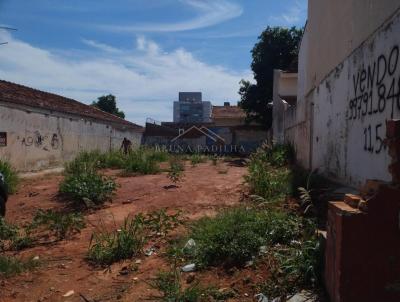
<point>107,247</point>
<point>142,161</point>
<point>88,187</point>
<point>161,223</point>
<point>10,176</point>
<point>197,158</point>
<point>294,268</point>
<point>60,225</point>
<point>12,237</point>
<point>295,264</point>
<point>176,170</point>
<point>234,236</point>
<point>170,287</point>
<point>10,266</point>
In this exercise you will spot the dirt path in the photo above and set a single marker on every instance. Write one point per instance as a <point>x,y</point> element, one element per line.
<point>205,189</point>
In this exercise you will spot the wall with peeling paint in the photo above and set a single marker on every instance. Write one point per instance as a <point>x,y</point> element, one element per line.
<point>37,139</point>
<point>351,106</point>
<point>337,28</point>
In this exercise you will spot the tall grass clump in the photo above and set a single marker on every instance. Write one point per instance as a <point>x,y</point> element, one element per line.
<point>10,176</point>
<point>114,159</point>
<point>142,161</point>
<point>294,267</point>
<point>265,181</point>
<point>234,236</point>
<point>85,160</point>
<point>107,247</point>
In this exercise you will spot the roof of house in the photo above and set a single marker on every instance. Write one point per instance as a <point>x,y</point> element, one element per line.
<point>227,112</point>
<point>22,95</point>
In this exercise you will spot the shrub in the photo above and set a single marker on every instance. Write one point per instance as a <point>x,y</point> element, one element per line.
<point>107,247</point>
<point>60,224</point>
<point>234,236</point>
<point>85,161</point>
<point>279,155</point>
<point>114,160</point>
<point>10,176</point>
<point>88,186</point>
<point>10,266</point>
<point>141,161</point>
<point>197,158</point>
<point>157,155</point>
<point>176,169</point>
<point>159,222</point>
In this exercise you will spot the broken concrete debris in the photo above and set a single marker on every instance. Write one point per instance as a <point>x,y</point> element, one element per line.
<point>189,268</point>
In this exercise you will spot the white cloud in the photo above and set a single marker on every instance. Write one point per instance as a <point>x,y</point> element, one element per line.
<point>100,46</point>
<point>145,80</point>
<point>209,12</point>
<point>295,14</point>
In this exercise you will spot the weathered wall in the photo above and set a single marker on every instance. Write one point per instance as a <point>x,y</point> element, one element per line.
<point>285,85</point>
<point>38,139</point>
<point>351,106</point>
<point>337,27</point>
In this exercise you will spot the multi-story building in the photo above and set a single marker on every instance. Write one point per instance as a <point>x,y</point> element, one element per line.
<point>191,109</point>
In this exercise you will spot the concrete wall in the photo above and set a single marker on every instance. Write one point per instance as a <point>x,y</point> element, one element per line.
<point>352,104</point>
<point>337,27</point>
<point>285,85</point>
<point>38,139</point>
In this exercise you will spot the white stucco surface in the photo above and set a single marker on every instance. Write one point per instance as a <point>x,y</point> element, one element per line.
<point>351,107</point>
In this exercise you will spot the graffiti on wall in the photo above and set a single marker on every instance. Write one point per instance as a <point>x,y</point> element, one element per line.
<point>376,98</point>
<point>45,142</point>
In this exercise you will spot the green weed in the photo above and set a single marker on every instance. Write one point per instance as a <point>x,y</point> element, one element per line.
<point>234,236</point>
<point>197,158</point>
<point>107,247</point>
<point>161,223</point>
<point>175,173</point>
<point>169,285</point>
<point>88,187</point>
<point>10,176</point>
<point>141,161</point>
<point>10,266</point>
<point>295,267</point>
<point>59,224</point>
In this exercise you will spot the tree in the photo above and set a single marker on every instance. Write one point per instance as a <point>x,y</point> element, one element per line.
<point>108,104</point>
<point>277,48</point>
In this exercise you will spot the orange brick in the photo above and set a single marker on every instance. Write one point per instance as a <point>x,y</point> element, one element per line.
<point>352,200</point>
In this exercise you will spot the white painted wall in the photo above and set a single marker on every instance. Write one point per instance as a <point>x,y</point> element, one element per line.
<point>337,27</point>
<point>351,106</point>
<point>285,85</point>
<point>38,139</point>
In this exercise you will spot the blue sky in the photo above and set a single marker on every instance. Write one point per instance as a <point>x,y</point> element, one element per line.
<point>142,51</point>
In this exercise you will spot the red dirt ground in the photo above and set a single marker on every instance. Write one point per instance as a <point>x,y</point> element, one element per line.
<point>205,189</point>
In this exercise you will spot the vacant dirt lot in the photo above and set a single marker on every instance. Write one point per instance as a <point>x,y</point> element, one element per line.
<point>205,189</point>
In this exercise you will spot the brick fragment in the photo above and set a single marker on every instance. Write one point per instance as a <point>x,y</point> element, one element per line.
<point>393,128</point>
<point>352,200</point>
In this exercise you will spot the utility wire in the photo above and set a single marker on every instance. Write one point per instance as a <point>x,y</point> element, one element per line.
<point>6,28</point>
